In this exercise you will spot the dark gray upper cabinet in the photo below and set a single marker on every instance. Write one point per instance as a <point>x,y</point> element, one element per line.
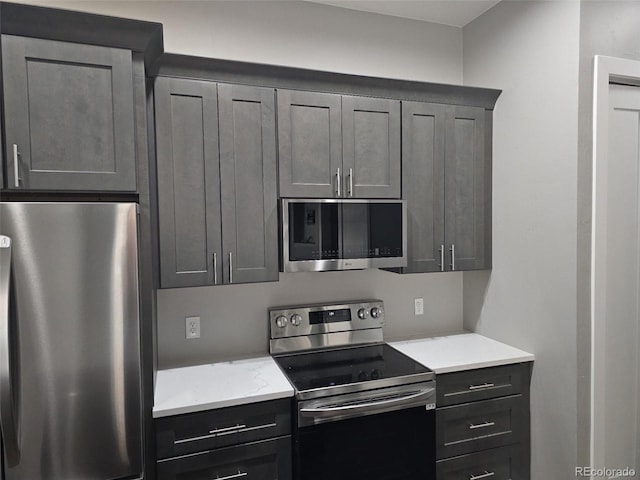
<point>248,183</point>
<point>188,182</point>
<point>309,143</point>
<point>216,183</point>
<point>423,142</point>
<point>371,147</point>
<point>338,146</point>
<point>69,116</point>
<point>446,165</point>
<point>467,190</point>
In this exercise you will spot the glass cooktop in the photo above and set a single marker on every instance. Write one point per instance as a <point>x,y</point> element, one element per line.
<point>346,366</point>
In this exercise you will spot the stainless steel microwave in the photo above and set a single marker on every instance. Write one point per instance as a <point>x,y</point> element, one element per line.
<point>336,234</point>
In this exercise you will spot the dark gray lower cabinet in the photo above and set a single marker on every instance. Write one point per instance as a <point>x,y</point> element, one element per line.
<point>69,116</point>
<point>217,195</point>
<point>446,180</point>
<point>482,424</point>
<point>252,442</point>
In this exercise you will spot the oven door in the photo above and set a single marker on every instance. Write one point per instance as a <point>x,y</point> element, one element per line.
<point>373,441</point>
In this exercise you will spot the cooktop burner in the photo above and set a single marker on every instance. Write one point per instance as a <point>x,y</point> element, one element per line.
<point>346,366</point>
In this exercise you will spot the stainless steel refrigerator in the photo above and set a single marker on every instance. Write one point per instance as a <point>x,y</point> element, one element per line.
<point>70,366</point>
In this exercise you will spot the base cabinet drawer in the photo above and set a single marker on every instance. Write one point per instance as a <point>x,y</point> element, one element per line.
<point>224,427</point>
<point>477,426</point>
<point>506,463</point>
<point>265,460</point>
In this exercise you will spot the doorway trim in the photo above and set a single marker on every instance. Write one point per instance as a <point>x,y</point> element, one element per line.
<point>606,70</point>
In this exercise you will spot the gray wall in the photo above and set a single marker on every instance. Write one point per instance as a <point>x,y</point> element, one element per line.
<point>530,49</point>
<point>613,29</point>
<point>300,34</point>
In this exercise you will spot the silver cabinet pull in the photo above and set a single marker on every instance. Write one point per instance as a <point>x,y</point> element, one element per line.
<point>215,268</point>
<point>9,419</point>
<point>229,477</point>
<point>227,430</point>
<point>480,387</point>
<point>338,188</point>
<point>16,166</point>
<point>453,256</point>
<point>442,258</point>
<point>351,182</point>
<point>481,425</point>
<point>230,267</point>
<point>219,432</point>
<point>486,474</point>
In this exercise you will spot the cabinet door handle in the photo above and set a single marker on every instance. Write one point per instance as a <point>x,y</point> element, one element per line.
<point>227,430</point>
<point>218,432</point>
<point>481,425</point>
<point>229,477</point>
<point>486,474</point>
<point>215,268</point>
<point>442,258</point>
<point>230,267</point>
<point>480,387</point>
<point>351,182</point>
<point>338,188</point>
<point>453,256</point>
<point>16,166</point>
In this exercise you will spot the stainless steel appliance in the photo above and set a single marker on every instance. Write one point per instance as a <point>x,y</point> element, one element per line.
<point>363,410</point>
<point>335,234</point>
<point>70,376</point>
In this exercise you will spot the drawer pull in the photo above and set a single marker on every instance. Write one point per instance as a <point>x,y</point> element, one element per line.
<point>479,387</point>
<point>481,425</point>
<point>219,432</point>
<point>486,474</point>
<point>238,475</point>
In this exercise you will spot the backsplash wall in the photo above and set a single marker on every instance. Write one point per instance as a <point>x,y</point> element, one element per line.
<point>234,321</point>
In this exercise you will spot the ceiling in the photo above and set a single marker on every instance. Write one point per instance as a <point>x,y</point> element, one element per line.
<point>456,13</point>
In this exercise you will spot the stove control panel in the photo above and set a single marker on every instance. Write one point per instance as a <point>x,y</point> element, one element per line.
<point>314,319</point>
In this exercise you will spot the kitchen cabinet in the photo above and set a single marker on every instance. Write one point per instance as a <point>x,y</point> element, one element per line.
<point>250,441</point>
<point>482,423</point>
<point>215,147</point>
<point>338,145</point>
<point>446,165</point>
<point>69,116</point>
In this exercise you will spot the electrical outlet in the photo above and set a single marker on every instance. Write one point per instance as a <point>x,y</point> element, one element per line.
<point>192,325</point>
<point>418,304</point>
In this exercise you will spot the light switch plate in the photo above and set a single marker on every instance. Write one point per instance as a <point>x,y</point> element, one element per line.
<point>192,325</point>
<point>418,306</point>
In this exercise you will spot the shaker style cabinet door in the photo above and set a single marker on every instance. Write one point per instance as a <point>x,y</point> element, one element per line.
<point>467,189</point>
<point>69,116</point>
<point>371,147</point>
<point>309,144</point>
<point>248,183</point>
<point>188,182</point>
<point>423,184</point>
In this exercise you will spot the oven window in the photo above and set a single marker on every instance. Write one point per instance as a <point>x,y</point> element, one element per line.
<point>396,445</point>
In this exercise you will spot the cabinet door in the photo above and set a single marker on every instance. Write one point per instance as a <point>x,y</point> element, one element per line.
<point>371,147</point>
<point>68,116</point>
<point>248,183</point>
<point>188,182</point>
<point>467,189</point>
<point>423,140</point>
<point>309,144</point>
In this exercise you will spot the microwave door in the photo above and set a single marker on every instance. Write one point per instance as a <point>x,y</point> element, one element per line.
<point>356,230</point>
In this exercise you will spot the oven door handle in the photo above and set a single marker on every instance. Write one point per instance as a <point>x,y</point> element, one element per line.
<point>368,406</point>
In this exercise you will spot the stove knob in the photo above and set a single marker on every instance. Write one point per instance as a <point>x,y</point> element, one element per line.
<point>363,314</point>
<point>296,319</point>
<point>376,312</point>
<point>281,321</point>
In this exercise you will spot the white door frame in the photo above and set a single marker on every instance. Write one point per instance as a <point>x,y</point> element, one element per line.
<point>607,69</point>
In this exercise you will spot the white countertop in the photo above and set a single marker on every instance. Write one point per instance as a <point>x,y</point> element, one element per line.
<point>218,385</point>
<point>464,351</point>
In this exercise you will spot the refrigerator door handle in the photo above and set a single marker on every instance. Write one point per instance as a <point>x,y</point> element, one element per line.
<point>9,419</point>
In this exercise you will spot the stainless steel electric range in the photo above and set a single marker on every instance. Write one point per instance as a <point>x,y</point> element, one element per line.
<point>363,410</point>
